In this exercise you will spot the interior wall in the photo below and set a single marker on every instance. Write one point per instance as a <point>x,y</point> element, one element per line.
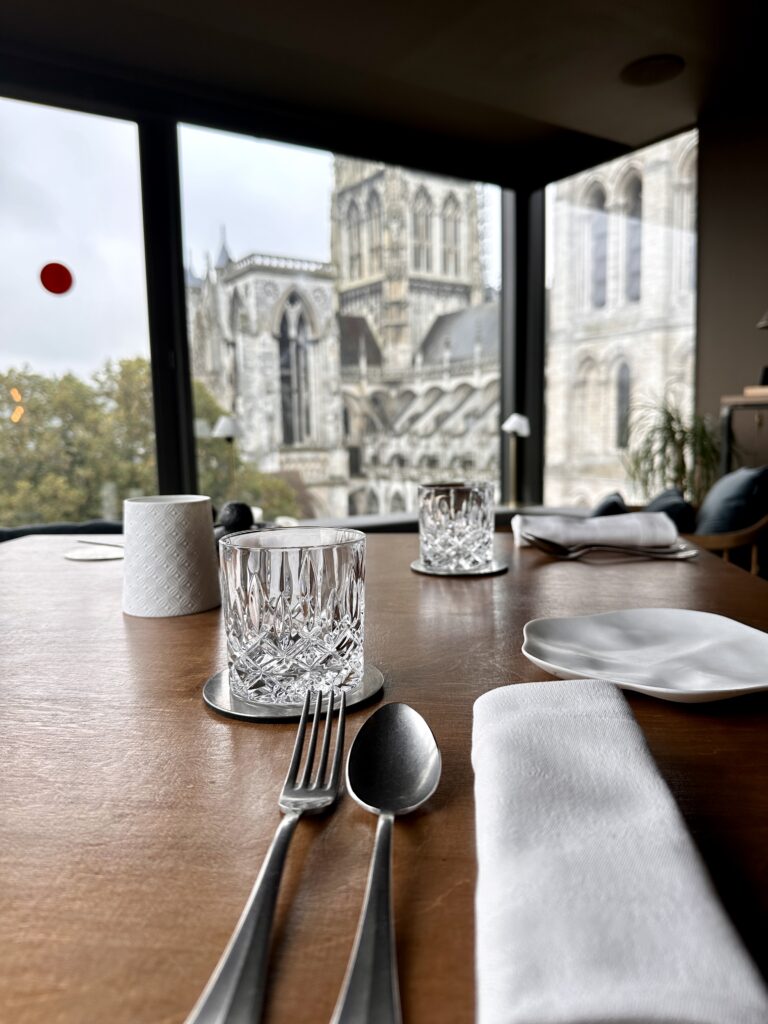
<point>732,258</point>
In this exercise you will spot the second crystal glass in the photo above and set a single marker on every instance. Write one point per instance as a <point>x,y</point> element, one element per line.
<point>456,526</point>
<point>294,610</point>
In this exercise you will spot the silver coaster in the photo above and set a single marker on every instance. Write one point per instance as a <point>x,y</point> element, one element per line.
<point>492,569</point>
<point>217,695</point>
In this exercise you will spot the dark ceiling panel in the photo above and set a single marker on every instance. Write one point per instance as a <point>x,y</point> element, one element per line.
<point>536,85</point>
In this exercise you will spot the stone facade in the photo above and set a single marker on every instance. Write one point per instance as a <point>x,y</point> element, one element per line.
<point>380,369</point>
<point>371,373</point>
<point>621,329</point>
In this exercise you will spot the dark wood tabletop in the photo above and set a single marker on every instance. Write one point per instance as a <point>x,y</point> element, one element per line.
<point>134,819</point>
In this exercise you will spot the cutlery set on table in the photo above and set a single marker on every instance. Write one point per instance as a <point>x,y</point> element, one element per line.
<point>393,768</point>
<point>649,535</point>
<point>591,903</point>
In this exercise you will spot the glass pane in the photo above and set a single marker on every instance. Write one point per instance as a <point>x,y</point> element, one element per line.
<point>621,289</point>
<point>344,326</point>
<point>76,422</point>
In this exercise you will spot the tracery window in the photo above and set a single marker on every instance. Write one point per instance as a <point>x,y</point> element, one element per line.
<point>374,233</point>
<point>294,344</point>
<point>598,248</point>
<point>623,382</point>
<point>354,242</point>
<point>422,232</point>
<point>634,237</point>
<point>451,225</point>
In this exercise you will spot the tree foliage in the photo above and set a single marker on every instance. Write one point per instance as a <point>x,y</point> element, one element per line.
<point>81,446</point>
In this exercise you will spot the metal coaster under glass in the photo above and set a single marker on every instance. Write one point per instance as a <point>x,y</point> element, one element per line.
<point>492,569</point>
<point>217,695</point>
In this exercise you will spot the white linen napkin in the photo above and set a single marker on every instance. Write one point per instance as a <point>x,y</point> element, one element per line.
<point>592,905</point>
<point>642,529</point>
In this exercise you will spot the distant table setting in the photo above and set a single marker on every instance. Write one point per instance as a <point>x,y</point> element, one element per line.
<point>455,776</point>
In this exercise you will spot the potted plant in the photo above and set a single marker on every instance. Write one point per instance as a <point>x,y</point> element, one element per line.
<point>673,451</point>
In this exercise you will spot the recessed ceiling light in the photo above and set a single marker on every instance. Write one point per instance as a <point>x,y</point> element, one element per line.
<point>653,70</point>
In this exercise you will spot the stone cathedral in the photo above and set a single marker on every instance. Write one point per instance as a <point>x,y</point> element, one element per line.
<point>370,373</point>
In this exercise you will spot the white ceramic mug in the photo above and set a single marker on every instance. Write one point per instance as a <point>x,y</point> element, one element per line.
<point>170,561</point>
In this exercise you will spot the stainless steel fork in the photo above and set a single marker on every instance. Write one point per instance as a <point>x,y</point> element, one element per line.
<point>235,991</point>
<point>679,551</point>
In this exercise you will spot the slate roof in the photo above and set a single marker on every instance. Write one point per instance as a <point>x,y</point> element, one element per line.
<point>463,329</point>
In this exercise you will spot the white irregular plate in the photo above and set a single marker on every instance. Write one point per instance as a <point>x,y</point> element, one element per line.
<point>671,653</point>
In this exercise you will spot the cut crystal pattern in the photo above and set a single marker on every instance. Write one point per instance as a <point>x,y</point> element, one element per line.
<point>456,526</point>
<point>294,619</point>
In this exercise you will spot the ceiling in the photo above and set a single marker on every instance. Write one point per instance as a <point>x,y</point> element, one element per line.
<point>537,81</point>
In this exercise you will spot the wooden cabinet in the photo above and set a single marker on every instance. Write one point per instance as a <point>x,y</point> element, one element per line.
<point>744,431</point>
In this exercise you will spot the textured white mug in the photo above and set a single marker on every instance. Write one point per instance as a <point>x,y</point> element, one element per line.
<point>170,561</point>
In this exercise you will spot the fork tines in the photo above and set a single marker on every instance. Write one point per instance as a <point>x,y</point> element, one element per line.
<point>305,781</point>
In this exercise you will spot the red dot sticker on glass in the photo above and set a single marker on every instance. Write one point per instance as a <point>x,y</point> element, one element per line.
<point>56,278</point>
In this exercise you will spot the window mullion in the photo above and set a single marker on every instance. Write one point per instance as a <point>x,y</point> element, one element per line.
<point>163,245</point>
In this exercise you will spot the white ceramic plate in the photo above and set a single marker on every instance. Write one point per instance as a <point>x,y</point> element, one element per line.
<point>670,653</point>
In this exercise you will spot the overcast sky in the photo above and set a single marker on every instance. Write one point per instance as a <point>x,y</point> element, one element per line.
<point>70,193</point>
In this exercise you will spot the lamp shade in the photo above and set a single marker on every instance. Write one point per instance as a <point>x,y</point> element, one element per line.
<point>763,321</point>
<point>517,424</point>
<point>226,427</point>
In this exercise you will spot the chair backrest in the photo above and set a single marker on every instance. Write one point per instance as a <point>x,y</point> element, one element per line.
<point>735,502</point>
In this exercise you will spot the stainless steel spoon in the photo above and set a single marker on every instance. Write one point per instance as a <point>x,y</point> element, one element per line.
<point>392,768</point>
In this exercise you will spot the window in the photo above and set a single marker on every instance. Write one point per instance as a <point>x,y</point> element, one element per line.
<point>422,232</point>
<point>634,236</point>
<point>294,372</point>
<point>374,233</point>
<point>598,248</point>
<point>685,235</point>
<point>76,419</point>
<point>338,382</point>
<point>451,236</point>
<point>622,406</point>
<point>606,227</point>
<point>354,242</point>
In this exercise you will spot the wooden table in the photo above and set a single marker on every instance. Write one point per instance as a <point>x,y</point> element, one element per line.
<point>134,819</point>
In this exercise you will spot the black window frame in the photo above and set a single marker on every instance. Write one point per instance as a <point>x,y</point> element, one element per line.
<point>159,108</point>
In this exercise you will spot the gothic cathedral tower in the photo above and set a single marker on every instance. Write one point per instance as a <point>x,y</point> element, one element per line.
<point>406,246</point>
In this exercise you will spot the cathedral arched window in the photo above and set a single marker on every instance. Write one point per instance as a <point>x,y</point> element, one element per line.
<point>372,503</point>
<point>634,238</point>
<point>422,232</point>
<point>451,225</point>
<point>589,404</point>
<point>623,383</point>
<point>397,502</point>
<point>374,233</point>
<point>354,242</point>
<point>294,342</point>
<point>598,248</point>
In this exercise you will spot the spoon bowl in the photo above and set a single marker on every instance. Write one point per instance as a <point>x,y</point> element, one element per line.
<point>394,764</point>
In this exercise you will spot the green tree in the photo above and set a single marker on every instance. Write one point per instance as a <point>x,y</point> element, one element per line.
<point>50,458</point>
<point>81,446</point>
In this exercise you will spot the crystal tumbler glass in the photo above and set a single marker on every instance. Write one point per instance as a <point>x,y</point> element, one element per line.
<point>294,609</point>
<point>456,526</point>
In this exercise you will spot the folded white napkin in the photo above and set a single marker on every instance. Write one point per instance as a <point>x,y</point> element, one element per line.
<point>592,905</point>
<point>642,529</point>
